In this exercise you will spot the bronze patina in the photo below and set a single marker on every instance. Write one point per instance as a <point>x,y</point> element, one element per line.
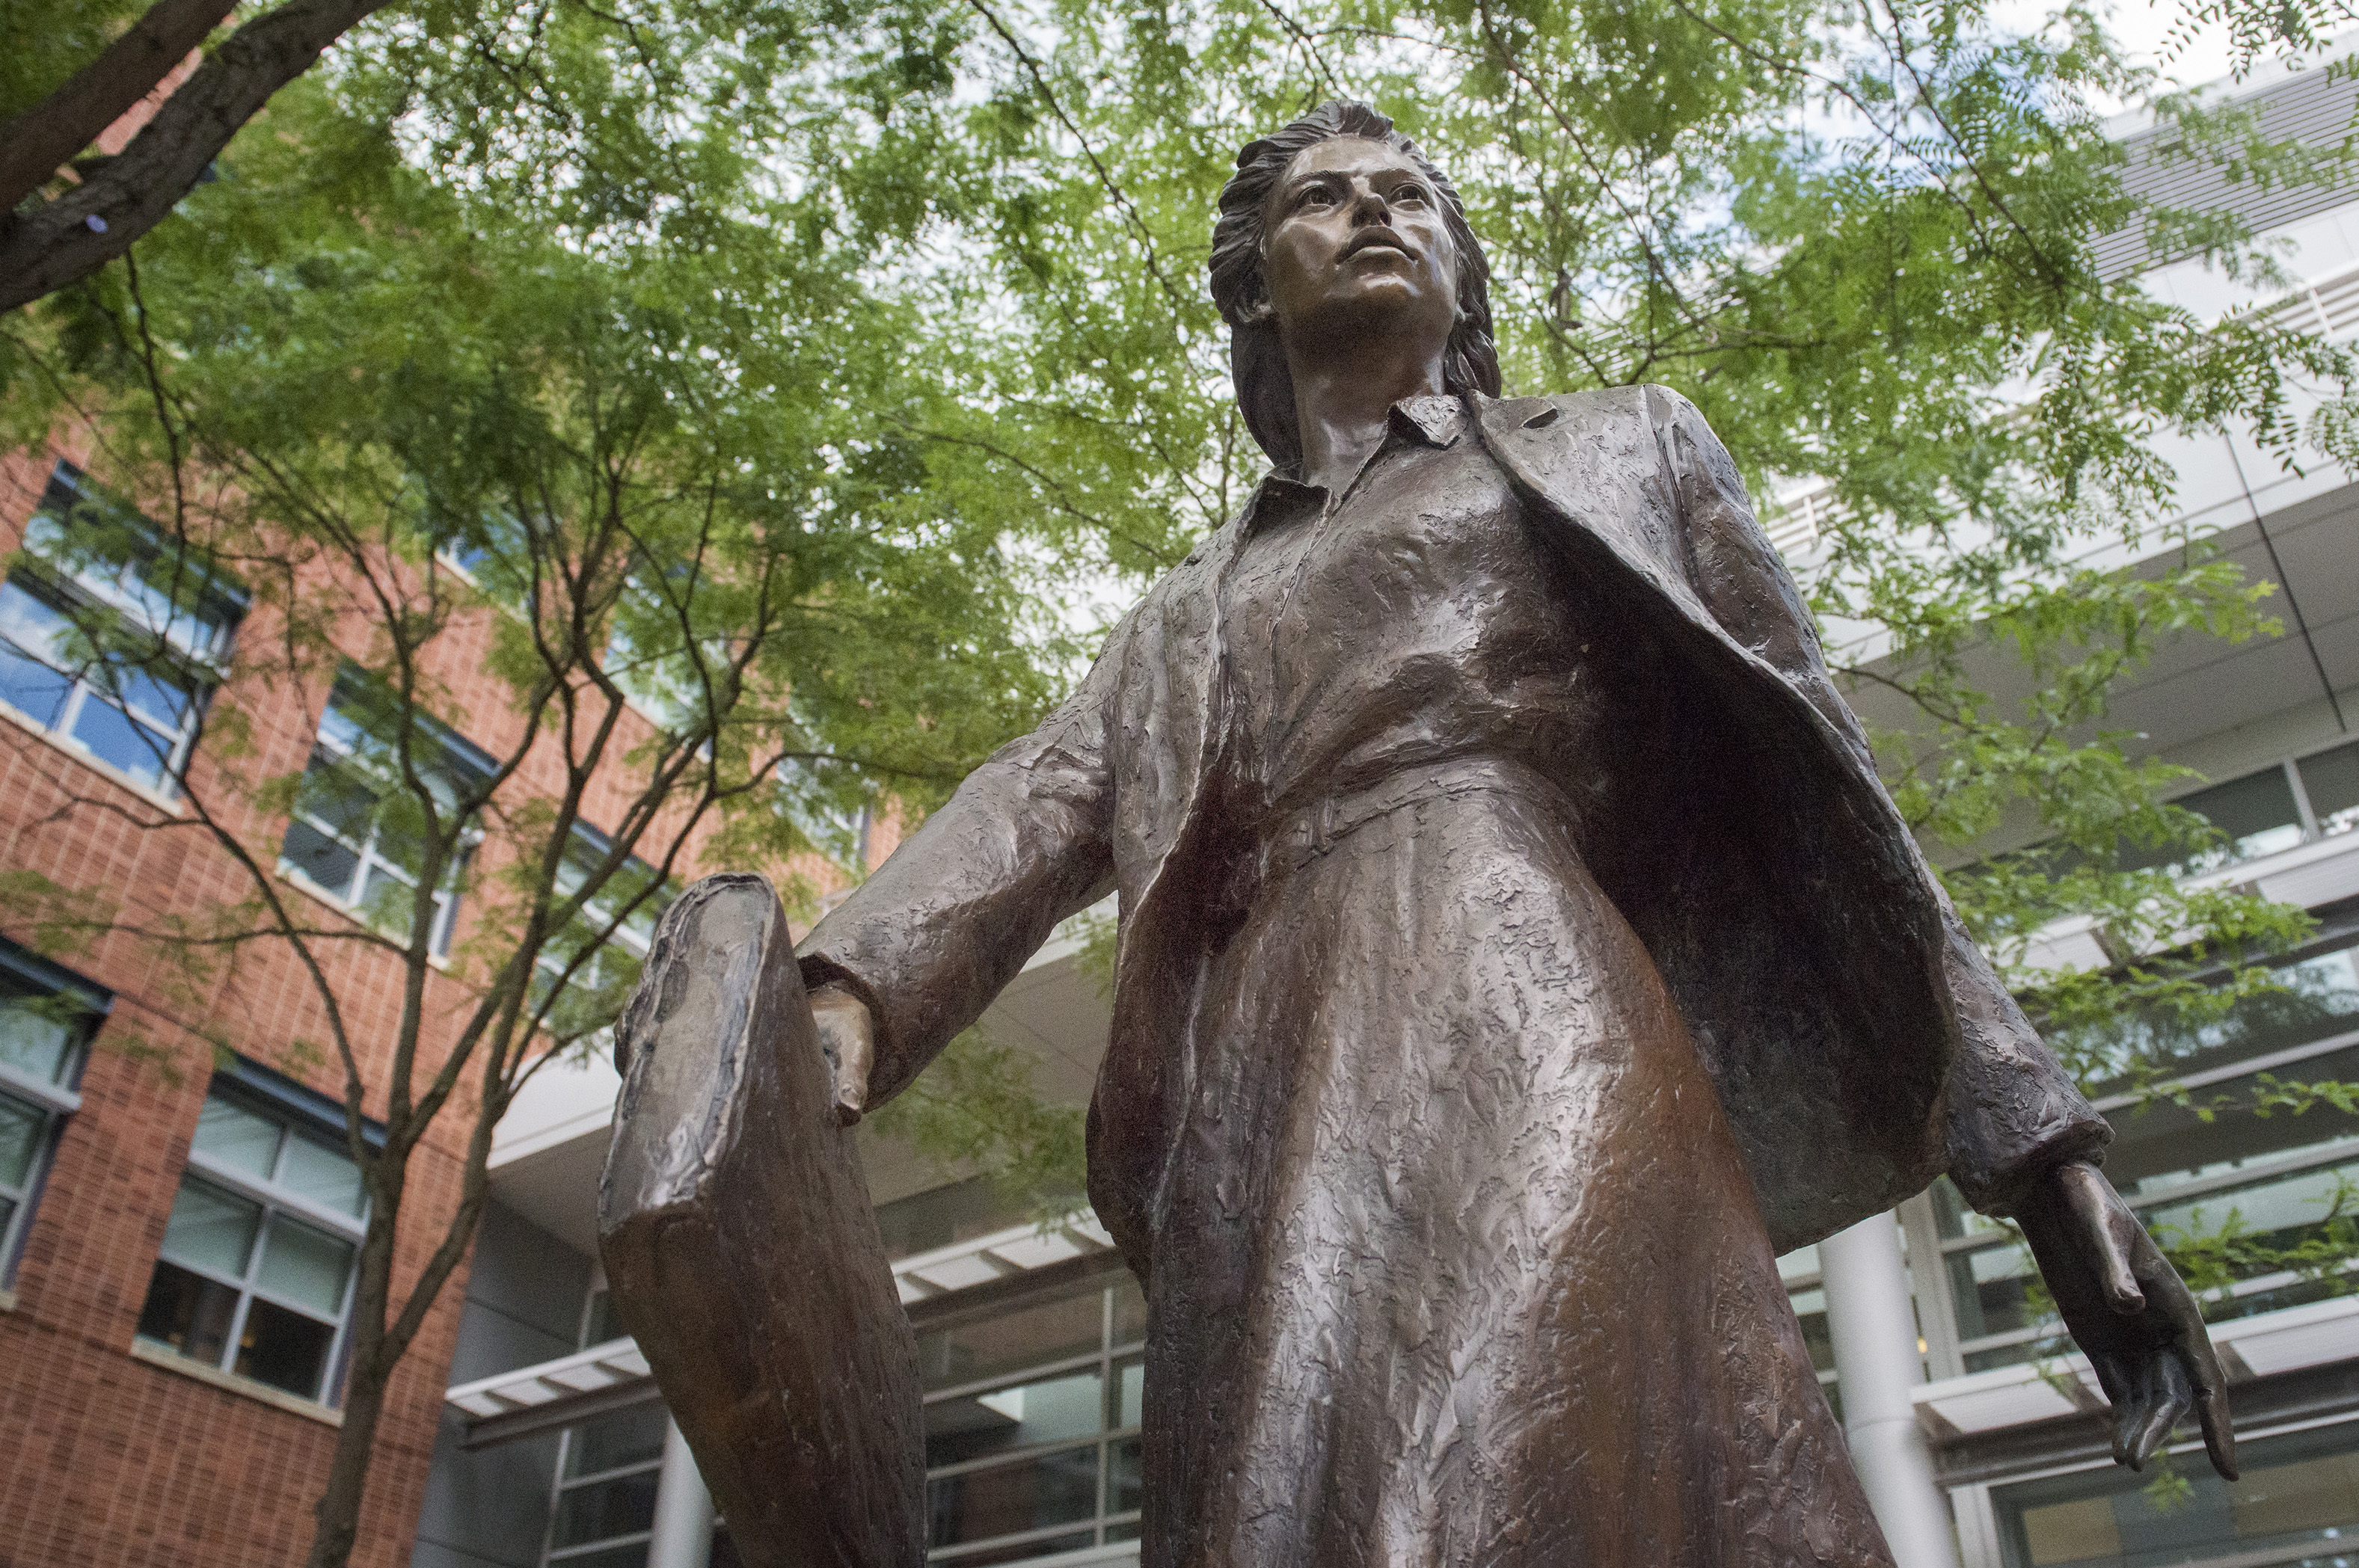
<point>1518,952</point>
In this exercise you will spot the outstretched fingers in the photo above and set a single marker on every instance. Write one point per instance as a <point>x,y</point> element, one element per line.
<point>2198,1363</point>
<point>2165,1400</point>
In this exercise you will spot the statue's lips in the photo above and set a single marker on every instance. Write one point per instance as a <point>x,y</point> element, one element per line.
<point>1382,239</point>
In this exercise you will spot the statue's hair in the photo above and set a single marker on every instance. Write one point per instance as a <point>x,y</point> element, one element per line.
<point>1256,359</point>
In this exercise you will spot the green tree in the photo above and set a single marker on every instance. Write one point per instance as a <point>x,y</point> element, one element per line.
<point>430,438</point>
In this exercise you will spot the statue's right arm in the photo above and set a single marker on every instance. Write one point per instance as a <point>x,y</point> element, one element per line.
<point>919,950</point>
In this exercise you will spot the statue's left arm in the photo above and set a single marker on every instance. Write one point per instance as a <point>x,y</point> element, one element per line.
<point>2022,1140</point>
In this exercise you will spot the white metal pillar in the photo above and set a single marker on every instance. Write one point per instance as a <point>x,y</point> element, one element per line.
<point>683,1535</point>
<point>1875,1333</point>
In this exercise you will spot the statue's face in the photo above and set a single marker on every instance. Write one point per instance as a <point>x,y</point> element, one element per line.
<point>1355,243</point>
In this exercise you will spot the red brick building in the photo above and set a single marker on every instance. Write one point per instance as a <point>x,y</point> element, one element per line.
<point>177,1216</point>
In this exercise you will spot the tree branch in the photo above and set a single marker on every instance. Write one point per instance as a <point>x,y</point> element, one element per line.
<point>60,242</point>
<point>36,143</point>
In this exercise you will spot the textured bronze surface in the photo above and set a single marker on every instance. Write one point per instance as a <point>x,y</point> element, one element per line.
<point>743,1253</point>
<point>1517,951</point>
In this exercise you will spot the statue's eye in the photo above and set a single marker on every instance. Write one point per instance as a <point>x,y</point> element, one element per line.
<point>1315,196</point>
<point>1410,195</point>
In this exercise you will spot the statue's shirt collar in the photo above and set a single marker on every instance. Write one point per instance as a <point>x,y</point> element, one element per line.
<point>1438,422</point>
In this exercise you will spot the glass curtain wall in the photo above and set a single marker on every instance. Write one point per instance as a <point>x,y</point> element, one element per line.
<point>1032,1426</point>
<point>2296,1506</point>
<point>2221,1166</point>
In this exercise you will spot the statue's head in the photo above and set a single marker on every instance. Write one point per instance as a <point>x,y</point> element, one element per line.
<point>1299,250</point>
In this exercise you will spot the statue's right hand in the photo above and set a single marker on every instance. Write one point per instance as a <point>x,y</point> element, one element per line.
<point>848,1035</point>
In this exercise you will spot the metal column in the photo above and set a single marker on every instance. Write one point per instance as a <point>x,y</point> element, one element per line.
<point>683,1534</point>
<point>1873,1328</point>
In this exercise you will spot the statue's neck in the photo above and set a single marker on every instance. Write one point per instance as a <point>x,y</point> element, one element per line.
<point>1342,402</point>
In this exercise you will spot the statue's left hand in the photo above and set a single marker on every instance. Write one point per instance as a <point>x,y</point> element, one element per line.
<point>2130,1313</point>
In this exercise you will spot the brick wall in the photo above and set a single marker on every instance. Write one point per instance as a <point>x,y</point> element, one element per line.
<point>108,1459</point>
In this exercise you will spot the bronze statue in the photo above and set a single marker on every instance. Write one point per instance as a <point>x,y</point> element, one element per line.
<point>1518,952</point>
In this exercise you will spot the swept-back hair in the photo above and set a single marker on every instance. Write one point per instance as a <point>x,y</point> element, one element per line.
<point>1256,359</point>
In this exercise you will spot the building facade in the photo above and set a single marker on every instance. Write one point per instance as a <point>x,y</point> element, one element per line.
<point>179,1214</point>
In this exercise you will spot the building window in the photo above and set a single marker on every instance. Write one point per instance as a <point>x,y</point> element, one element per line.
<point>597,988</point>
<point>2237,1185</point>
<point>2298,800</point>
<point>255,1273</point>
<point>358,834</point>
<point>606,1505</point>
<point>2297,1503</point>
<point>110,640</point>
<point>47,1018</point>
<point>1799,1270</point>
<point>1032,1427</point>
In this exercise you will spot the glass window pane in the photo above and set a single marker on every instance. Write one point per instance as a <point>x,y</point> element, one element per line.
<point>210,1229</point>
<point>942,1216</point>
<point>115,738</point>
<point>328,865</point>
<point>31,687</point>
<point>2162,1147</point>
<point>1124,1489</point>
<point>308,1266</point>
<point>7,1216</point>
<point>2262,1222</point>
<point>1130,1393</point>
<point>600,1321</point>
<point>631,1556</point>
<point>332,794</point>
<point>611,1441</point>
<point>327,1176</point>
<point>236,1137</point>
<point>387,900</point>
<point>2296,1490</point>
<point>189,1312</point>
<point>36,1040</point>
<point>1991,1287</point>
<point>978,1505</point>
<point>2330,779</point>
<point>283,1348</point>
<point>1810,1311</point>
<point>165,704</point>
<point>603,1510</point>
<point>1129,1309</point>
<point>2255,812</point>
<point>22,1130</point>
<point>1045,1411</point>
<point>32,623</point>
<point>1030,1551</point>
<point>1048,1332</point>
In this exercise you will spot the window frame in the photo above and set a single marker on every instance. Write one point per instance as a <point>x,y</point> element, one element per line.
<point>53,1100</point>
<point>1105,1525</point>
<point>1979,1235</point>
<point>555,1556</point>
<point>346,761</point>
<point>64,589</point>
<point>296,1113</point>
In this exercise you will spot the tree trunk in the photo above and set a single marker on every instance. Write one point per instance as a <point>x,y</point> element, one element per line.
<point>338,1511</point>
<point>57,243</point>
<point>35,145</point>
<point>337,1514</point>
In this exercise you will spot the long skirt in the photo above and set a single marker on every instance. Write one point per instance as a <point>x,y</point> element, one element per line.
<point>1458,1262</point>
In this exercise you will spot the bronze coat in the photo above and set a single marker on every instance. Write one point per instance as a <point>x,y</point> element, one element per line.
<point>1859,1042</point>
